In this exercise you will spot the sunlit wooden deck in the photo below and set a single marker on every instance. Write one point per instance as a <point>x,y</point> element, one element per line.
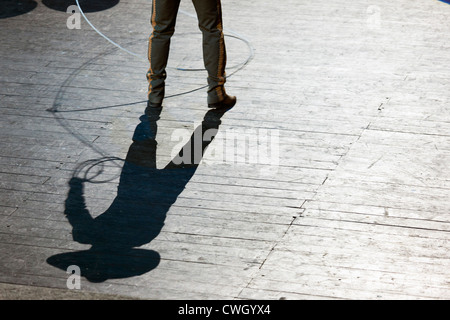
<point>353,202</point>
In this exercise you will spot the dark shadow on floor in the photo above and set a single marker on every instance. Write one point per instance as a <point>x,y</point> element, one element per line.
<point>137,214</point>
<point>12,8</point>
<point>86,5</point>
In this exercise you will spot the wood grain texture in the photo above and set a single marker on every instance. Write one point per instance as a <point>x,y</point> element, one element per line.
<point>356,206</point>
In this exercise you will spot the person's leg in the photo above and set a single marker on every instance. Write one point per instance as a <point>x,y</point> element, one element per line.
<point>209,13</point>
<point>164,14</point>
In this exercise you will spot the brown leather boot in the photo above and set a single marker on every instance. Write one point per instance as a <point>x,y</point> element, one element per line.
<point>225,104</point>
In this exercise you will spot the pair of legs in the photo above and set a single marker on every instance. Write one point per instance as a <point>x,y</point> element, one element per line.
<point>164,14</point>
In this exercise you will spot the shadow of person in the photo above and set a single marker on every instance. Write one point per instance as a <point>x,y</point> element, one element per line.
<point>137,214</point>
<point>12,8</point>
<point>86,5</point>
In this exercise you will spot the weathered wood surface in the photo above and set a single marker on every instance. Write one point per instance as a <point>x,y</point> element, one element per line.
<point>355,207</point>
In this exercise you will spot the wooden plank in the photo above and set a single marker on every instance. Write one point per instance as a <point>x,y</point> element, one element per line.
<point>355,207</point>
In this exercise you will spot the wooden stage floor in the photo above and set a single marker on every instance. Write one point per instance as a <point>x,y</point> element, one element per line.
<point>328,180</point>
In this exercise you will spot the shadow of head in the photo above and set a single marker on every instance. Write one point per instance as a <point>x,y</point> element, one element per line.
<point>12,8</point>
<point>136,215</point>
<point>86,5</point>
<point>100,265</point>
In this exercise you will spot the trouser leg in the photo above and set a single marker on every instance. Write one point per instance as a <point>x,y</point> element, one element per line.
<point>164,14</point>
<point>209,13</point>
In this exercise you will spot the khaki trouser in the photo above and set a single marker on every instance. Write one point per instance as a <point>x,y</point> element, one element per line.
<point>209,13</point>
